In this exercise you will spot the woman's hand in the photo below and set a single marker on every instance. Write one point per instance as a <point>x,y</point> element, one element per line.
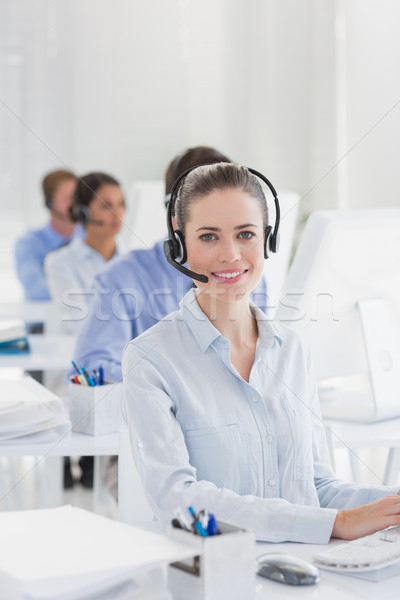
<point>357,522</point>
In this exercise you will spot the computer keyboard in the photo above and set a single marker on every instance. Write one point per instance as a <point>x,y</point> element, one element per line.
<point>372,552</point>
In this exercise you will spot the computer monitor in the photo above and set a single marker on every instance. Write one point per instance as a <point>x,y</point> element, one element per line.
<point>343,296</point>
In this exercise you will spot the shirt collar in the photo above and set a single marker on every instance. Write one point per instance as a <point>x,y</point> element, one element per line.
<point>204,331</point>
<point>79,245</point>
<point>198,323</point>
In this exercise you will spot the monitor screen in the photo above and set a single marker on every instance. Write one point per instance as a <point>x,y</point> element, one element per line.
<point>343,296</point>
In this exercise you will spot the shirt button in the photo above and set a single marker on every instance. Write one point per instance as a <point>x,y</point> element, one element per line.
<point>140,444</point>
<point>269,438</point>
<point>271,482</point>
<point>255,398</point>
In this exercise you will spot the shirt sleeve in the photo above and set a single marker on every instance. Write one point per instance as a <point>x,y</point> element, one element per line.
<point>170,480</point>
<point>29,263</point>
<point>60,278</point>
<point>105,331</point>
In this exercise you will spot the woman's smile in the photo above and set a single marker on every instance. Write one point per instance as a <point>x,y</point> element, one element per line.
<point>229,275</point>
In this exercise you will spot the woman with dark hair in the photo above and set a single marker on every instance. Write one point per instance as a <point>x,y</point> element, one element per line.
<point>100,206</point>
<point>221,402</point>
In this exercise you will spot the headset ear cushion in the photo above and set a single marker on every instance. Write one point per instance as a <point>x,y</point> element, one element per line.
<point>48,202</point>
<point>274,243</point>
<point>180,247</point>
<point>81,213</point>
<point>267,241</point>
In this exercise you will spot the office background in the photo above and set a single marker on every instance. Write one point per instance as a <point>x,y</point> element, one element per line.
<point>305,90</point>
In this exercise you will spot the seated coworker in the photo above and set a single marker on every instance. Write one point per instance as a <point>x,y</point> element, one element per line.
<point>138,289</point>
<point>32,248</point>
<point>231,397</point>
<point>99,204</point>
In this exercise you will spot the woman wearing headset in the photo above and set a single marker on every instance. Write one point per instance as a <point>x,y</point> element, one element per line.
<point>70,271</point>
<point>222,403</point>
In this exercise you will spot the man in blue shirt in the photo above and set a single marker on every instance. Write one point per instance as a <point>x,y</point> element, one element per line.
<point>137,290</point>
<point>31,249</point>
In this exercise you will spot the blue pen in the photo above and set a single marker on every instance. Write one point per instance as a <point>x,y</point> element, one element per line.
<point>82,378</point>
<point>212,527</point>
<point>200,529</point>
<point>88,378</point>
<point>101,375</point>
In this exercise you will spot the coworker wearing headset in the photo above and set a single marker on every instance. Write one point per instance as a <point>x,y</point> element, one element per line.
<point>99,205</point>
<point>32,248</point>
<point>221,402</point>
<point>137,290</point>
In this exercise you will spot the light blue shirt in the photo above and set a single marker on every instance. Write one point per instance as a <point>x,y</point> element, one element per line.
<point>70,272</point>
<point>30,252</point>
<point>254,453</point>
<point>130,295</point>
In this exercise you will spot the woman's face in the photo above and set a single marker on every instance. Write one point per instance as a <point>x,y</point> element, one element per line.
<point>108,208</point>
<point>224,238</point>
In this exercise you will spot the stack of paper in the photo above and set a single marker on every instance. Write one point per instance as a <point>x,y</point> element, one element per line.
<point>30,413</point>
<point>13,337</point>
<point>68,553</point>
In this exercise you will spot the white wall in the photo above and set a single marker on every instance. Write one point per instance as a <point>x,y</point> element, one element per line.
<point>372,97</point>
<point>287,86</point>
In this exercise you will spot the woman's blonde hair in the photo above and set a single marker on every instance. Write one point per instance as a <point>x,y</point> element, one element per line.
<point>204,180</point>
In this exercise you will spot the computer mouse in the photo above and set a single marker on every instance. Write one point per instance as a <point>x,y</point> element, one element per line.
<point>286,568</point>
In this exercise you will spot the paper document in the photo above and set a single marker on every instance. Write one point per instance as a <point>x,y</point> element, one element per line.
<point>30,413</point>
<point>68,553</point>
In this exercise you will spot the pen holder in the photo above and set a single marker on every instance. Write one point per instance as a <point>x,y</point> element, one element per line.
<point>223,566</point>
<point>95,410</point>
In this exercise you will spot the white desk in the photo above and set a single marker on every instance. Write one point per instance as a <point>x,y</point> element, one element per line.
<point>28,311</point>
<point>353,436</point>
<point>48,352</point>
<point>330,587</point>
<point>51,470</point>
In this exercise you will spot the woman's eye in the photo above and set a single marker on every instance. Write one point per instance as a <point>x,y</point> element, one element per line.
<point>207,237</point>
<point>246,235</point>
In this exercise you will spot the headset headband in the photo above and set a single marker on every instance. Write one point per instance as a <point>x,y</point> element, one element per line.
<point>174,246</point>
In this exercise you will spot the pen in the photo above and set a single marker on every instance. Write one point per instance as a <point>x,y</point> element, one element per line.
<point>181,518</point>
<point>101,375</point>
<point>191,510</point>
<point>89,379</point>
<point>212,526</point>
<point>81,377</point>
<point>200,529</point>
<point>176,523</point>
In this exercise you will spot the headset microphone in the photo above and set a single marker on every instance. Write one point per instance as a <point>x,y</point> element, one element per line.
<point>174,246</point>
<point>181,268</point>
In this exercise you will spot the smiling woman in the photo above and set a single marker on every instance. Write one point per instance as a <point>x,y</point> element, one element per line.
<point>70,271</point>
<point>230,396</point>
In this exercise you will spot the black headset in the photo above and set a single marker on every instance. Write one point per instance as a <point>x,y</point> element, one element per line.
<point>80,213</point>
<point>180,160</point>
<point>175,248</point>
